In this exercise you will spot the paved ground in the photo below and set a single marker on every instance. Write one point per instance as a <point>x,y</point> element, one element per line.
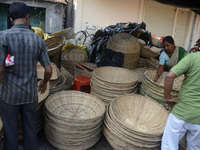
<point>43,144</point>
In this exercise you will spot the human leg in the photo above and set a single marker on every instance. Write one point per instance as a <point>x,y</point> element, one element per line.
<point>28,115</point>
<point>193,136</point>
<point>174,131</point>
<point>9,116</point>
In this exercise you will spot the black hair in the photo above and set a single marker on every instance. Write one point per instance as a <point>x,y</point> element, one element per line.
<point>168,39</point>
<point>18,10</point>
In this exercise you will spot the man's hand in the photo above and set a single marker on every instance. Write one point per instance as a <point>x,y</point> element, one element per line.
<point>170,103</point>
<point>42,86</point>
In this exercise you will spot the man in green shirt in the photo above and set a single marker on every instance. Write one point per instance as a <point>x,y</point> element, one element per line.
<point>185,111</point>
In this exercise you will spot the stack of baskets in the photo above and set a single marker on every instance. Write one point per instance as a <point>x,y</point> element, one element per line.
<point>70,57</point>
<point>54,47</point>
<point>68,33</point>
<point>134,122</point>
<point>156,90</point>
<point>127,44</point>
<point>73,119</point>
<point>109,82</point>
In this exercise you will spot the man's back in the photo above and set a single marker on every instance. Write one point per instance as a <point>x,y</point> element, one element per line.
<point>19,84</point>
<point>189,96</point>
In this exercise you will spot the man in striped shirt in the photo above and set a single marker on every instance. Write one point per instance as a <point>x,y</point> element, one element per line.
<point>19,81</point>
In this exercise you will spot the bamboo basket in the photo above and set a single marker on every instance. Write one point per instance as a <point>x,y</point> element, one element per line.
<point>54,45</point>
<point>60,86</point>
<point>147,52</point>
<point>73,119</point>
<point>127,44</point>
<point>68,33</point>
<point>134,122</point>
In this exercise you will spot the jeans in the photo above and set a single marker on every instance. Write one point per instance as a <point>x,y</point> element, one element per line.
<point>9,115</point>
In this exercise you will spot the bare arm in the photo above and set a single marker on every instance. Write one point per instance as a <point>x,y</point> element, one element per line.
<point>47,77</point>
<point>2,72</point>
<point>169,79</point>
<point>159,72</point>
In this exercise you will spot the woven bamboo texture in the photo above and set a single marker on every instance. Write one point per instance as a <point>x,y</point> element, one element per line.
<point>73,119</point>
<point>156,90</point>
<point>60,86</point>
<point>133,121</point>
<point>107,83</point>
<point>127,44</point>
<point>147,52</point>
<point>54,45</point>
<point>40,71</point>
<point>69,78</point>
<point>85,72</point>
<point>68,33</point>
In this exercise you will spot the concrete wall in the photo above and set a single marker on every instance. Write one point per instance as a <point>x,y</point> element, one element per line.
<point>160,19</point>
<point>54,13</point>
<point>107,12</point>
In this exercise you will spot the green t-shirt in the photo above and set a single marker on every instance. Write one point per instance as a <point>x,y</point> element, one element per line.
<point>189,95</point>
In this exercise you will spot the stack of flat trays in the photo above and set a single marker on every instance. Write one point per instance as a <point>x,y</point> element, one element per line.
<point>133,121</point>
<point>109,82</point>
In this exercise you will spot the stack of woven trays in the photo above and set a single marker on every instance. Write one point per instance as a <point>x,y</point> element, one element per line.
<point>68,33</point>
<point>127,44</point>
<point>134,122</point>
<point>84,69</point>
<point>54,47</point>
<point>155,90</point>
<point>109,82</point>
<point>73,119</point>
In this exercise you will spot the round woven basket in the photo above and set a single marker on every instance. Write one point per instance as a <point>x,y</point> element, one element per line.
<point>135,122</point>
<point>68,33</point>
<point>60,86</point>
<point>150,75</point>
<point>40,71</point>
<point>54,45</point>
<point>115,76</point>
<point>73,119</point>
<point>127,44</point>
<point>69,78</point>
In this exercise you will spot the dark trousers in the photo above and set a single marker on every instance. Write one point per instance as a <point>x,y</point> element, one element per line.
<point>9,115</point>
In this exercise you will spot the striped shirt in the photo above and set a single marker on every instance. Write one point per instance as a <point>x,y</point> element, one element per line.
<point>19,85</point>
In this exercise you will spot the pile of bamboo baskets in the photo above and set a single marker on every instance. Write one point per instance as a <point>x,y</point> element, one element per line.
<point>155,90</point>
<point>134,122</point>
<point>109,82</point>
<point>73,119</point>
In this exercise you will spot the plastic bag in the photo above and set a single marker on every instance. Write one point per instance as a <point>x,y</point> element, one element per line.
<point>111,58</point>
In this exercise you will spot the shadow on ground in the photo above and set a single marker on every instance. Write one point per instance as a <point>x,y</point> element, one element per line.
<point>43,144</point>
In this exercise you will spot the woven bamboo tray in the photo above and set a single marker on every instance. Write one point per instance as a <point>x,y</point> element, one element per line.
<point>115,76</point>
<point>68,33</point>
<point>138,128</point>
<point>147,52</point>
<point>40,71</point>
<point>73,119</point>
<point>60,86</point>
<point>150,74</point>
<point>54,45</point>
